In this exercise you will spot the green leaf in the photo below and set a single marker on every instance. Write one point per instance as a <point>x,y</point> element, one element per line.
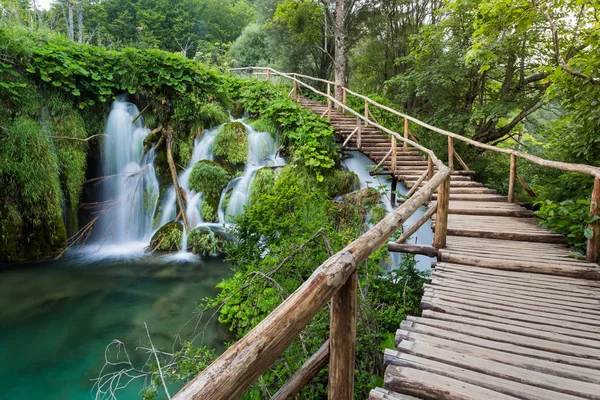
<point>588,233</point>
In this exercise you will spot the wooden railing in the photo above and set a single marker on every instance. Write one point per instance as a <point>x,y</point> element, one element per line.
<point>593,244</point>
<point>336,279</point>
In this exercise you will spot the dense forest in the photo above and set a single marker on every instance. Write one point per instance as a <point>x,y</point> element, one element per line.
<point>517,74</point>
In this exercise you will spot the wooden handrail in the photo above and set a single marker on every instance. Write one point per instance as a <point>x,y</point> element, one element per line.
<point>238,367</point>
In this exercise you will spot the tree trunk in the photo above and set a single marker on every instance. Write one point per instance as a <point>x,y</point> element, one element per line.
<point>341,46</point>
<point>70,31</point>
<point>80,21</point>
<point>179,195</point>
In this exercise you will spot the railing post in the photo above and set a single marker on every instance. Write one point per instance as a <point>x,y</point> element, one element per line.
<point>511,178</point>
<point>405,133</point>
<point>295,96</point>
<point>358,136</point>
<point>344,95</point>
<point>593,244</point>
<point>328,100</point>
<point>268,75</point>
<point>394,155</point>
<point>342,341</point>
<point>441,219</point>
<point>430,167</point>
<point>450,154</point>
<point>366,112</point>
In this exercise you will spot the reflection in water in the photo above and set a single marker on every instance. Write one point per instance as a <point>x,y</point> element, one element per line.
<point>57,318</point>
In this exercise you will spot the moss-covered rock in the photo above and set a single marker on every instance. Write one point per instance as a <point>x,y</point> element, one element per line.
<point>167,238</point>
<point>231,143</point>
<point>209,178</point>
<point>338,182</point>
<point>213,114</point>
<point>364,198</point>
<point>237,111</point>
<point>210,210</point>
<point>263,181</point>
<point>351,210</point>
<point>31,224</point>
<point>265,125</point>
<point>206,242</point>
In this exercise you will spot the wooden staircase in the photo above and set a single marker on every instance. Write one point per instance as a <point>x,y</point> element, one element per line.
<point>510,312</point>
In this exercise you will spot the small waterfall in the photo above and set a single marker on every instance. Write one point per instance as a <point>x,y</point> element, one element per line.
<point>261,152</point>
<point>203,150</point>
<point>130,188</point>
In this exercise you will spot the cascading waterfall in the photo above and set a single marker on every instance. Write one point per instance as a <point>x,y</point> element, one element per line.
<point>130,189</point>
<point>203,150</point>
<point>262,152</point>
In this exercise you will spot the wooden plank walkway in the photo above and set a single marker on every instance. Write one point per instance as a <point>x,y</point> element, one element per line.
<point>509,312</point>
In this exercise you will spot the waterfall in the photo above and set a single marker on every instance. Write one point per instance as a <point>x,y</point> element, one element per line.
<point>262,152</point>
<point>203,150</point>
<point>129,191</point>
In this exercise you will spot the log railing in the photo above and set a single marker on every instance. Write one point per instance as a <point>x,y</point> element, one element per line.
<point>593,244</point>
<point>336,279</point>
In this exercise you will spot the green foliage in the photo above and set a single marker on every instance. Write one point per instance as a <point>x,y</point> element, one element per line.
<point>308,137</point>
<point>263,181</point>
<point>30,195</point>
<point>231,143</point>
<point>569,218</point>
<point>265,125</point>
<point>209,210</point>
<point>206,242</point>
<point>209,178</point>
<point>213,114</point>
<point>341,182</point>
<point>167,238</point>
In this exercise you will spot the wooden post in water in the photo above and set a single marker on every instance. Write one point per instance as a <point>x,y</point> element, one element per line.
<point>358,137</point>
<point>450,154</point>
<point>295,96</point>
<point>593,244</point>
<point>511,178</point>
<point>328,100</point>
<point>366,111</point>
<point>441,219</point>
<point>405,133</point>
<point>394,155</point>
<point>342,341</point>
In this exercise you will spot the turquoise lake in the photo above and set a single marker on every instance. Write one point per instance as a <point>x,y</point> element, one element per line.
<point>56,319</point>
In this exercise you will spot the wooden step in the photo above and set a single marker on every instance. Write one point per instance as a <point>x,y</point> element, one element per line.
<point>384,394</point>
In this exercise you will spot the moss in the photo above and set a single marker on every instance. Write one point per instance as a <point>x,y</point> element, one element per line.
<point>210,210</point>
<point>209,178</point>
<point>30,193</point>
<point>237,111</point>
<point>168,237</point>
<point>338,182</point>
<point>263,181</point>
<point>265,125</point>
<point>182,151</point>
<point>213,114</point>
<point>65,122</point>
<point>231,143</point>
<point>206,242</point>
<point>347,217</point>
<point>378,213</point>
<point>367,197</point>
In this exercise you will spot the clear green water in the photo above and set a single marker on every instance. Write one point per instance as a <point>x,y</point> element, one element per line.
<point>56,319</point>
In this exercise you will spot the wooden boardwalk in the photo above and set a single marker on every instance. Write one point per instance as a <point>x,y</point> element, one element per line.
<point>509,312</point>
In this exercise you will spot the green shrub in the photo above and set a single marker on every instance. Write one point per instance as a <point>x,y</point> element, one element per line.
<point>569,218</point>
<point>339,182</point>
<point>209,178</point>
<point>231,143</point>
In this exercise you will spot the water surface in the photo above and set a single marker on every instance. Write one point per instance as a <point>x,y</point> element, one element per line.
<point>57,318</point>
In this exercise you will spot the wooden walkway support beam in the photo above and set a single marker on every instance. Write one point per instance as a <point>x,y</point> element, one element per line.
<point>511,178</point>
<point>593,244</point>
<point>443,203</point>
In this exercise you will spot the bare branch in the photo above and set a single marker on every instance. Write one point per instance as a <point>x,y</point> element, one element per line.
<point>162,378</point>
